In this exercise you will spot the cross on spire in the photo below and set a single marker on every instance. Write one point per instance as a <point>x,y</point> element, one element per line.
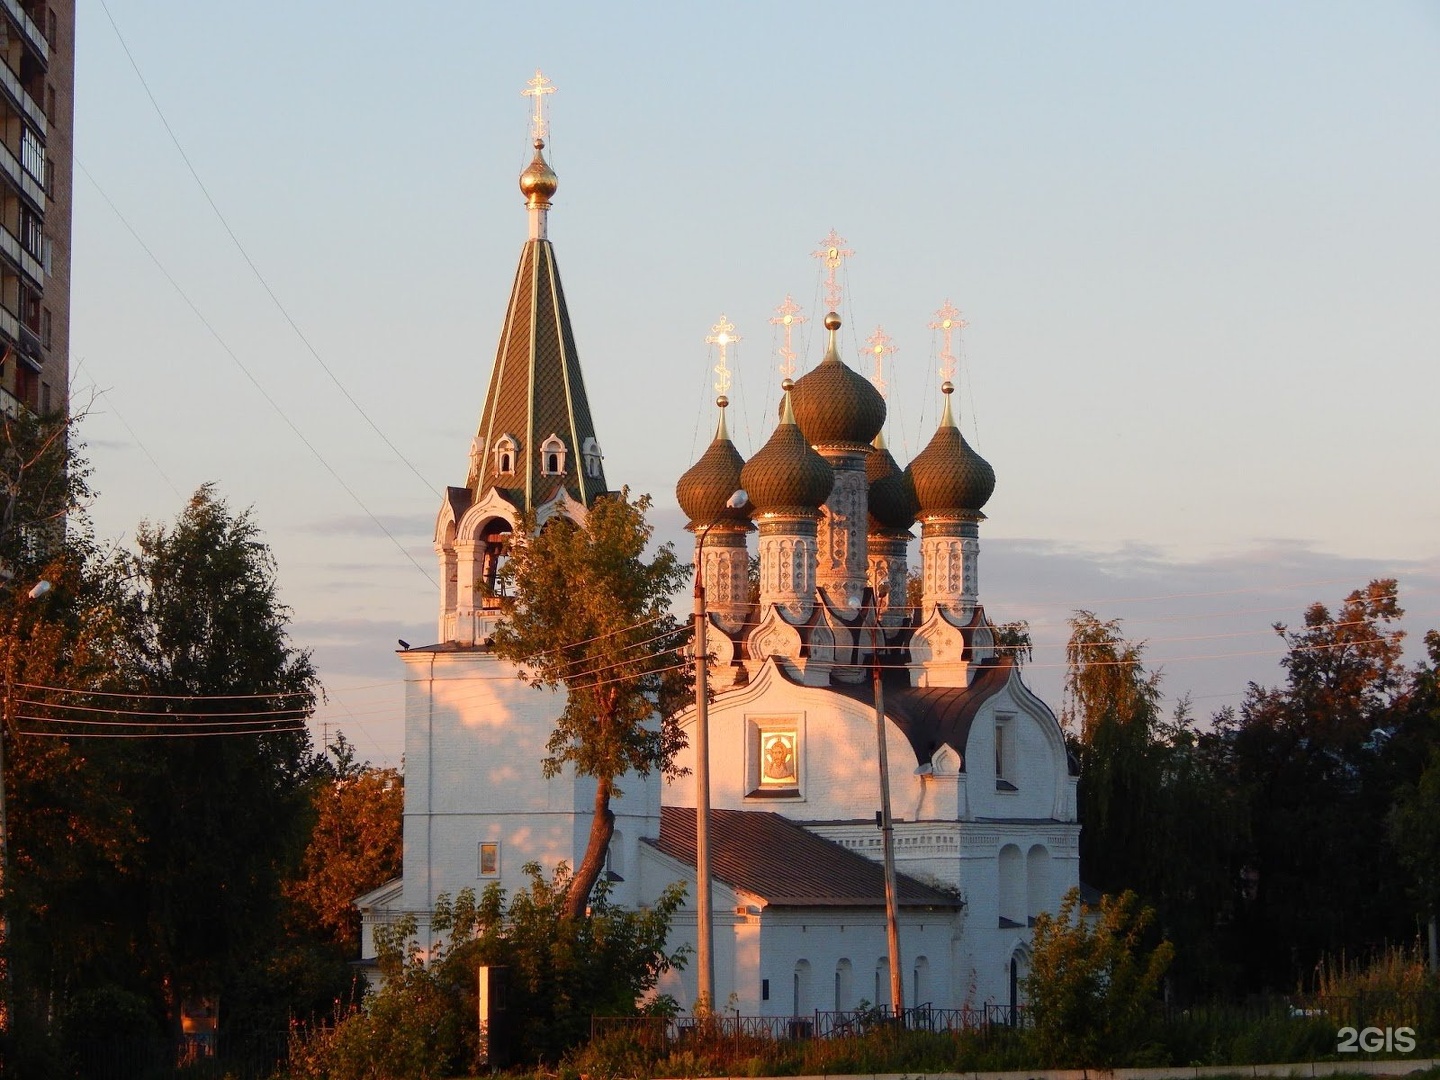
<point>834,252</point>
<point>948,321</point>
<point>881,348</point>
<point>722,336</point>
<point>537,88</point>
<point>787,317</point>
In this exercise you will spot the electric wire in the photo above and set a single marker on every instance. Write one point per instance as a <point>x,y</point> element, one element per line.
<point>253,380</point>
<point>251,262</point>
<point>295,729</point>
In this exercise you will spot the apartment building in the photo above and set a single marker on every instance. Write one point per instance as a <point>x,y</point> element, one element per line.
<point>37,111</point>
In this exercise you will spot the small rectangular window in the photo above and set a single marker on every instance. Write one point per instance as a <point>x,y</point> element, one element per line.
<point>52,26</point>
<point>45,327</point>
<point>45,398</point>
<point>50,102</point>
<point>489,858</point>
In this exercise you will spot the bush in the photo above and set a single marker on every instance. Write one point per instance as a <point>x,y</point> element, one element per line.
<point>1092,985</point>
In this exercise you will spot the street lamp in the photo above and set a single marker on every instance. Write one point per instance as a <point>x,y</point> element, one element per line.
<point>704,920</point>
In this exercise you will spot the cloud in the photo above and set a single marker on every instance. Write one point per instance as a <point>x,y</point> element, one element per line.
<point>1207,621</point>
<point>399,525</point>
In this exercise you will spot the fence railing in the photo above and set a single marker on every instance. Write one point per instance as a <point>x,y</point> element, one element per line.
<point>1419,1011</point>
<point>664,1031</point>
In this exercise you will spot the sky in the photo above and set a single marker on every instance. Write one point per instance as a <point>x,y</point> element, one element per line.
<point>1197,246</point>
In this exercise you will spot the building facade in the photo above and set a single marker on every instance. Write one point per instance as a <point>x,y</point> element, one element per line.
<point>982,789</point>
<point>37,100</point>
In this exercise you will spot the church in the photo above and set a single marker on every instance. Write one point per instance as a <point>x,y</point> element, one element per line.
<point>984,828</point>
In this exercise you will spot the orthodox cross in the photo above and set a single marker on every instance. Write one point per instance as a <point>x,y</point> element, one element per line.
<point>722,336</point>
<point>947,320</point>
<point>787,317</point>
<point>834,252</point>
<point>537,88</point>
<point>880,347</point>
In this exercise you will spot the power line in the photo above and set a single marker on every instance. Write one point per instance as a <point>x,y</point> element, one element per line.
<point>162,697</point>
<point>218,716</point>
<point>251,262</point>
<point>253,380</point>
<point>151,735</point>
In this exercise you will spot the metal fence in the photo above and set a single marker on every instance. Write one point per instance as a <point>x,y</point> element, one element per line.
<point>1418,1011</point>
<point>249,1057</point>
<point>663,1032</point>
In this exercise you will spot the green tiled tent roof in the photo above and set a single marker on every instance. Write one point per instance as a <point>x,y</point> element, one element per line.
<point>537,390</point>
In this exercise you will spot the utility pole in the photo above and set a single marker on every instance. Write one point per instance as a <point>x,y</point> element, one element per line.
<point>887,825</point>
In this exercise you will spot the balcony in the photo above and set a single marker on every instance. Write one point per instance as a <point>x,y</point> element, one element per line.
<point>21,99</point>
<point>10,405</point>
<point>33,37</point>
<point>15,251</point>
<point>23,181</point>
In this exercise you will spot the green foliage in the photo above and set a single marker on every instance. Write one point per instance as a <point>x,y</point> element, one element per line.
<point>224,819</point>
<point>1150,787</point>
<point>1013,639</point>
<point>1323,758</point>
<point>1093,983</point>
<point>585,608</point>
<point>146,870</point>
<point>559,970</point>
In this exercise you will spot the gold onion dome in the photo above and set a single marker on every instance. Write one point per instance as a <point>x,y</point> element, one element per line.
<point>892,496</point>
<point>538,182</point>
<point>948,476</point>
<point>836,405</point>
<point>707,486</point>
<point>786,476</point>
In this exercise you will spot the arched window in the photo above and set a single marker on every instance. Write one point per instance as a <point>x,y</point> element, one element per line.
<point>615,857</point>
<point>590,452</point>
<point>844,985</point>
<point>552,457</point>
<point>507,451</point>
<point>920,993</point>
<point>801,1003</point>
<point>882,981</point>
<point>495,548</point>
<point>1012,886</point>
<point>1037,881</point>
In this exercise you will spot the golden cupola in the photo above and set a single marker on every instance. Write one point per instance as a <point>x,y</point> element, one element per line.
<point>538,182</point>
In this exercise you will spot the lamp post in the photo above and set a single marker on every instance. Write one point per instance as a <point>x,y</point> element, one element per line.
<point>887,826</point>
<point>704,919</point>
<point>6,982</point>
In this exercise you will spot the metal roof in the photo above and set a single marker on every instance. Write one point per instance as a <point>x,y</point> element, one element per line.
<point>787,865</point>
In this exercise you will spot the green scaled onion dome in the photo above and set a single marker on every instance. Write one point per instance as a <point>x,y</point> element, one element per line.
<point>836,405</point>
<point>706,487</point>
<point>949,476</point>
<point>785,476</point>
<point>892,497</point>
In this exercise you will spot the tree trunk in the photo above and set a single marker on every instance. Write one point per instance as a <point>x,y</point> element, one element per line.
<point>602,828</point>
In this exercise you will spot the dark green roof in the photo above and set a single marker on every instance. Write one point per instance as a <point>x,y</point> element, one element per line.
<point>536,390</point>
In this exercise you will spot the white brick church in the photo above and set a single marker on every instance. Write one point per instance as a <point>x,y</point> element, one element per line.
<point>982,790</point>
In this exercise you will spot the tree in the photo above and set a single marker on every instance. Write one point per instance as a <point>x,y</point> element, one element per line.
<point>355,845</point>
<point>1093,983</point>
<point>224,817</point>
<point>585,608</point>
<point>560,972</point>
<point>1149,788</point>
<point>1315,764</point>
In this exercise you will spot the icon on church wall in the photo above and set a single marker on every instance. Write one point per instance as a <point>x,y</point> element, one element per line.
<point>777,759</point>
